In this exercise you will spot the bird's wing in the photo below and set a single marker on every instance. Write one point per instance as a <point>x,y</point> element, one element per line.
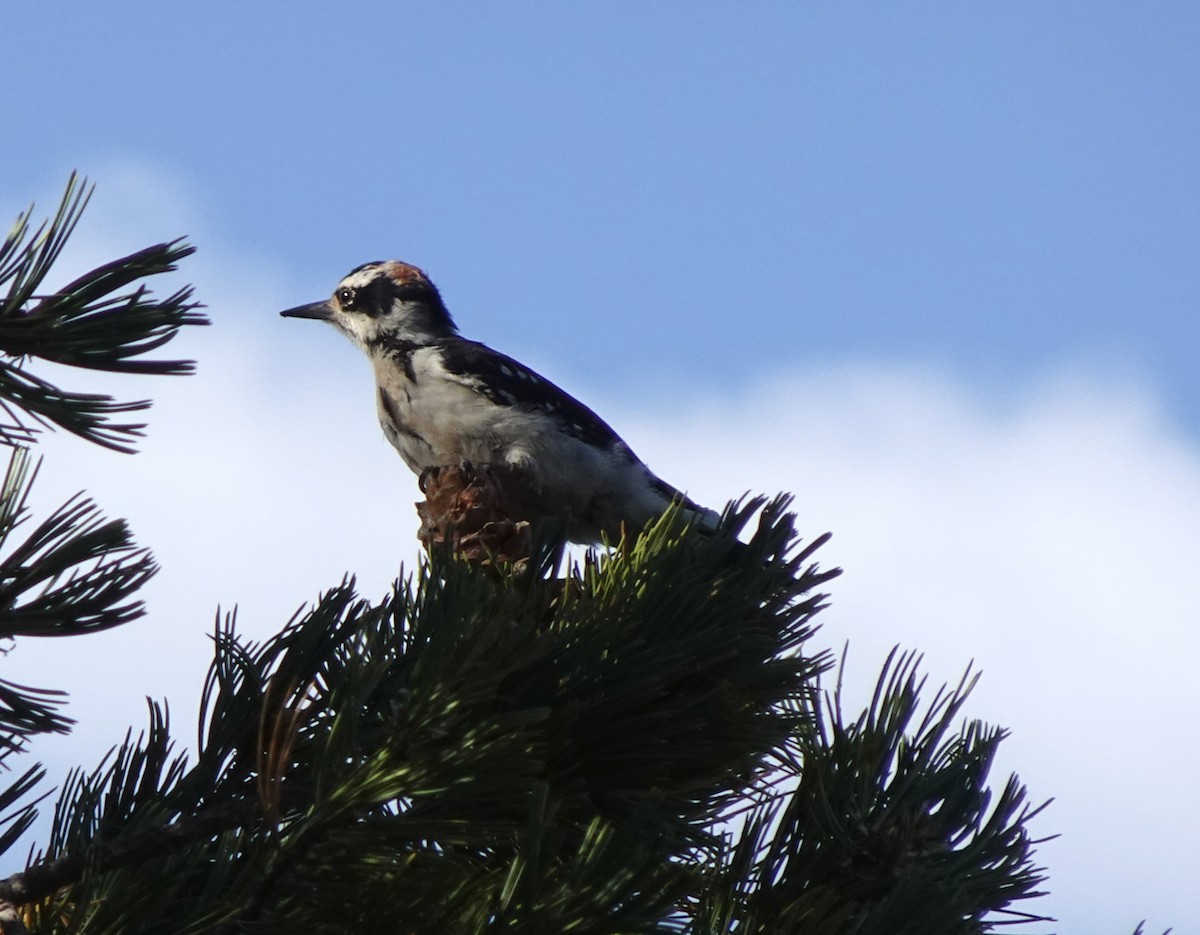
<point>507,382</point>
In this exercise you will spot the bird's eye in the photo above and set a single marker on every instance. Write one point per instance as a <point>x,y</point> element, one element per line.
<point>345,297</point>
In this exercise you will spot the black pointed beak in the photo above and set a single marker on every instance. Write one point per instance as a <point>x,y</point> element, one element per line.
<point>319,310</point>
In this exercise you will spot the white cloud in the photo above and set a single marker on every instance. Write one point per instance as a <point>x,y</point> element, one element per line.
<point>1049,538</point>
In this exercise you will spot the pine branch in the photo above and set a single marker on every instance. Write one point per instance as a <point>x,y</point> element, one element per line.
<point>120,815</point>
<point>43,879</point>
<point>16,819</point>
<point>883,828</point>
<point>515,748</point>
<point>484,741</point>
<point>89,323</point>
<point>75,572</point>
<point>25,710</point>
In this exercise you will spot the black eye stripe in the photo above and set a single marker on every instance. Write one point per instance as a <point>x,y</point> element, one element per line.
<point>372,298</point>
<point>377,296</point>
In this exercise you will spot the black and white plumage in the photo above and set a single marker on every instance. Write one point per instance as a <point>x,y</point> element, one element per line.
<point>443,399</point>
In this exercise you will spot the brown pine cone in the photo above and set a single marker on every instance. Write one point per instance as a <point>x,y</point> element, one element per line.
<point>476,509</point>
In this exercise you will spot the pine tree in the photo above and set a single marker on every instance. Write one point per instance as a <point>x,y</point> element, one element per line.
<point>635,743</point>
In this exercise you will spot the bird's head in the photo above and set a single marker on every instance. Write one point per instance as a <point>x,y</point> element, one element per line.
<point>381,303</point>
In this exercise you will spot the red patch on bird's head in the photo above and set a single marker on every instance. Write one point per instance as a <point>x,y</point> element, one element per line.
<point>405,273</point>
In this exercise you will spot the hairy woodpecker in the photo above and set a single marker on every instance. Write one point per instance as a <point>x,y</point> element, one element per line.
<point>443,399</point>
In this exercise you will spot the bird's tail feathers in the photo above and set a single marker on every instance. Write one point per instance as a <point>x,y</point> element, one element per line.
<point>702,518</point>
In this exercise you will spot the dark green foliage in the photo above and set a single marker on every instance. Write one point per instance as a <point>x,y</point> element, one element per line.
<point>74,571</point>
<point>490,750</point>
<point>16,816</point>
<point>88,323</point>
<point>883,827</point>
<point>480,746</point>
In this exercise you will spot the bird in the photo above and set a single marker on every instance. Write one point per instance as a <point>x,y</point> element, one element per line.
<point>443,399</point>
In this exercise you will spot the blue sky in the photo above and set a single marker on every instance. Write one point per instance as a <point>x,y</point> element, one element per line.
<point>930,266</point>
<point>989,186</point>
